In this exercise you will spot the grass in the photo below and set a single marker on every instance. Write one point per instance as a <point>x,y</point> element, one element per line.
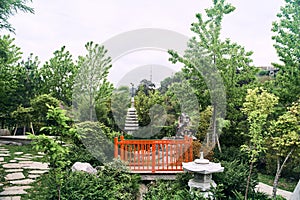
<point>284,183</point>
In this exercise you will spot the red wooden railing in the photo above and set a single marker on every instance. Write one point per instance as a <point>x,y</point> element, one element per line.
<point>154,155</point>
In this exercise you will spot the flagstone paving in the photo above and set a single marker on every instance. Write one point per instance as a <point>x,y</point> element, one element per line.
<point>16,182</point>
<point>11,198</point>
<point>14,176</point>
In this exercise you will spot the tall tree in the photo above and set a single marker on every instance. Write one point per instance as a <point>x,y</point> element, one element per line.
<point>257,106</point>
<point>9,8</point>
<point>9,78</point>
<point>285,139</point>
<point>91,84</point>
<point>57,76</point>
<point>287,44</point>
<point>29,79</point>
<point>207,56</point>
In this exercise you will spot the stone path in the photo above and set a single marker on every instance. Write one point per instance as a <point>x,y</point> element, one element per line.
<point>261,187</point>
<point>16,181</point>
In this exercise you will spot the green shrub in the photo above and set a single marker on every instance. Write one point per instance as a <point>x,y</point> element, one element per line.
<point>165,190</point>
<point>177,189</point>
<point>110,183</point>
<point>230,154</point>
<point>234,178</point>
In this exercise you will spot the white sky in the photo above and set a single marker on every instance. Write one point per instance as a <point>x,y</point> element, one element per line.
<point>74,22</point>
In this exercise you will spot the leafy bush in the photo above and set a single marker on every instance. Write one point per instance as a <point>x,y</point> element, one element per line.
<point>230,154</point>
<point>110,183</point>
<point>178,189</point>
<point>165,190</point>
<point>234,178</point>
<point>96,140</point>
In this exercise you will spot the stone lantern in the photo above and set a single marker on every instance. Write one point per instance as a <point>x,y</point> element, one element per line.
<point>203,170</point>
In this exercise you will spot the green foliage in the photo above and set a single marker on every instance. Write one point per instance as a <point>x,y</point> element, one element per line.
<point>110,183</point>
<point>40,108</point>
<point>9,8</point>
<point>165,190</point>
<point>22,115</point>
<point>10,99</point>
<point>263,73</point>
<point>58,76</point>
<point>258,105</point>
<point>287,184</point>
<point>204,123</point>
<point>287,44</point>
<point>120,101</point>
<point>18,79</point>
<point>214,66</point>
<point>91,85</point>
<point>151,113</point>
<point>230,154</point>
<point>96,140</point>
<point>57,153</point>
<point>285,131</point>
<point>233,178</point>
<point>178,189</point>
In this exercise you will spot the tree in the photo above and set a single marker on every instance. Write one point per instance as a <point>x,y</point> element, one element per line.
<point>40,107</point>
<point>257,106</point>
<point>30,81</point>
<point>23,116</point>
<point>57,76</point>
<point>10,69</point>
<point>146,86</point>
<point>9,8</point>
<point>55,147</point>
<point>91,83</point>
<point>285,139</point>
<point>151,113</point>
<point>120,102</point>
<point>287,44</point>
<point>211,64</point>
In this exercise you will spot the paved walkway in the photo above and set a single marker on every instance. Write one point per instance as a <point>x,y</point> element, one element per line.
<point>261,187</point>
<point>20,172</point>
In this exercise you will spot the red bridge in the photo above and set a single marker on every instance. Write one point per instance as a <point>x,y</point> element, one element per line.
<point>155,156</point>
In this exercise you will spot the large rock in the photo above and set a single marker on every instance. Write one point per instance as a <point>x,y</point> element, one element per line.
<point>86,167</point>
<point>4,132</point>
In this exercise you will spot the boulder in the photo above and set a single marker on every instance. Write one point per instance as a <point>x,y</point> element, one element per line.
<point>86,167</point>
<point>4,132</point>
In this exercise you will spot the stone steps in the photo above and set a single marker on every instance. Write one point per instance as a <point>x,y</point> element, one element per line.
<point>16,182</point>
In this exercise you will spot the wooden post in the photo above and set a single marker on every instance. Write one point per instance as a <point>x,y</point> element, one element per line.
<point>116,153</point>
<point>191,149</point>
<point>153,157</point>
<point>122,147</point>
<point>186,148</point>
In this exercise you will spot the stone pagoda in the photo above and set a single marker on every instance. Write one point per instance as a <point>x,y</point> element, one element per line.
<point>131,122</point>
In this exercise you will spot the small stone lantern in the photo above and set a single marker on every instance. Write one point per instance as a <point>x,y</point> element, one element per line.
<point>203,170</point>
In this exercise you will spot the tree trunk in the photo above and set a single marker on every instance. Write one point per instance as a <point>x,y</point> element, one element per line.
<point>31,127</point>
<point>248,180</point>
<point>24,130</point>
<point>15,131</point>
<point>278,172</point>
<point>276,179</point>
<point>215,138</point>
<point>91,109</point>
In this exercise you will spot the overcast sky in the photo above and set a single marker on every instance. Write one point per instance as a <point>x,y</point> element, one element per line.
<point>74,22</point>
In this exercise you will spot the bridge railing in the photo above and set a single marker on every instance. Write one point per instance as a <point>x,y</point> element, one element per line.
<point>154,155</point>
